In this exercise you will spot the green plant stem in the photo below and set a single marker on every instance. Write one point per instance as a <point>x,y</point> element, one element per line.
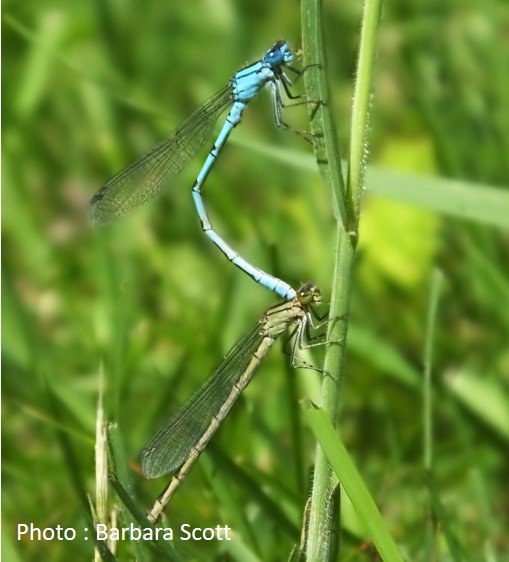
<point>436,284</point>
<point>322,123</point>
<point>360,106</point>
<point>320,526</point>
<point>432,531</point>
<point>346,203</point>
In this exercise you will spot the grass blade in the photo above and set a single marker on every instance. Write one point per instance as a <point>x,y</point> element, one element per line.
<point>352,483</point>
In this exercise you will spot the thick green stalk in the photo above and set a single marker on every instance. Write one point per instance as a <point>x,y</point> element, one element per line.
<point>320,525</point>
<point>321,121</point>
<point>346,202</point>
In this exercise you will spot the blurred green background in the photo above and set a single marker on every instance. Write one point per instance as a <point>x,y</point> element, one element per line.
<point>88,87</point>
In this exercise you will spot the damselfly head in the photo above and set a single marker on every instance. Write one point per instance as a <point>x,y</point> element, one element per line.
<point>309,294</point>
<point>279,54</point>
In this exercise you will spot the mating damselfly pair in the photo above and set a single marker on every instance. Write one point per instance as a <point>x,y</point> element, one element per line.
<point>178,443</point>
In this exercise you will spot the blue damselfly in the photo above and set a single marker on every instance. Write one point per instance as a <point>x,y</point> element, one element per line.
<point>145,177</point>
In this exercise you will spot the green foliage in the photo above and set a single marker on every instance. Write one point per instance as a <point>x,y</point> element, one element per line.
<point>88,86</point>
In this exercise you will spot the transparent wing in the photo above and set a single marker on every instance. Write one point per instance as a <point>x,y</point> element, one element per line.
<point>174,440</point>
<point>145,177</point>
